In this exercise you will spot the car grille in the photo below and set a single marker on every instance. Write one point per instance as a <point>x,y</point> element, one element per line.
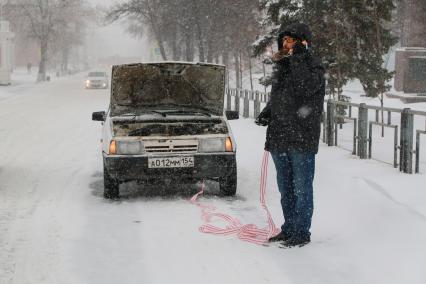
<point>171,146</point>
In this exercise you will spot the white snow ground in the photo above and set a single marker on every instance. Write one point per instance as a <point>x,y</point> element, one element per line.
<point>369,224</point>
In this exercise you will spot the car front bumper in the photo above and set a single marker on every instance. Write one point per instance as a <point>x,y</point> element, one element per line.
<point>96,86</point>
<point>206,166</point>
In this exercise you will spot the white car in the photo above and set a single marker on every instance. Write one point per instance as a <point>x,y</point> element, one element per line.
<point>167,120</point>
<point>96,80</point>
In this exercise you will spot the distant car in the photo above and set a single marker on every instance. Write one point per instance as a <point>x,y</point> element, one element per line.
<point>167,120</point>
<point>97,80</point>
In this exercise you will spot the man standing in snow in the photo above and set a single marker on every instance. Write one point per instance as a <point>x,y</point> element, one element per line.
<point>293,117</point>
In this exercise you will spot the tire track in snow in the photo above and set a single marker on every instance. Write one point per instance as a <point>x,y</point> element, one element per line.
<point>34,184</point>
<point>7,265</point>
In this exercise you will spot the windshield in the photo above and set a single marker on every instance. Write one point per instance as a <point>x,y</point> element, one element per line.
<point>168,86</point>
<point>97,74</point>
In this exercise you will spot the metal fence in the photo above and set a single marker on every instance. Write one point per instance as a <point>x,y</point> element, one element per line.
<point>406,126</point>
<point>251,101</point>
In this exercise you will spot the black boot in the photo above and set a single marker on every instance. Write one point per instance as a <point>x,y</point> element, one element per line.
<point>297,240</point>
<point>279,238</point>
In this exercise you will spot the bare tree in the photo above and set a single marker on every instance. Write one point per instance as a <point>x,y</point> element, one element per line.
<point>212,28</point>
<point>54,24</point>
<point>71,31</point>
<point>142,12</point>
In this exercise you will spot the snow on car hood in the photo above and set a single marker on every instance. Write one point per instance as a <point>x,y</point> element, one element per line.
<point>168,85</point>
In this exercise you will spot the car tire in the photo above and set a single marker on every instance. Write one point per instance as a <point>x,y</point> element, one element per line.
<point>111,186</point>
<point>228,185</point>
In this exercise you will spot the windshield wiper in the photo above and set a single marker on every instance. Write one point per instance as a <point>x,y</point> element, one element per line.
<point>184,109</point>
<point>189,112</point>
<point>207,110</point>
<point>144,112</point>
<point>159,112</point>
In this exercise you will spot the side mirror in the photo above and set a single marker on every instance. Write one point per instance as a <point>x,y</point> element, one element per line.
<point>232,114</point>
<point>98,116</point>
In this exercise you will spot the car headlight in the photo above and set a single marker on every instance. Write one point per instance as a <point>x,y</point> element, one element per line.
<point>211,145</point>
<point>126,147</point>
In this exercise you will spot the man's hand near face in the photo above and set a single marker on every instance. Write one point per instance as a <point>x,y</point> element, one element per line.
<point>293,46</point>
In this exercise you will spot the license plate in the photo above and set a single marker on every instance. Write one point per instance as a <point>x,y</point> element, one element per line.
<point>171,162</point>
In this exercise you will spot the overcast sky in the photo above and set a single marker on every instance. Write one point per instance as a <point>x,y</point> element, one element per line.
<point>114,40</point>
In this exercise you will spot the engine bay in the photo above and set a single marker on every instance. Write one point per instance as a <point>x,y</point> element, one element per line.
<point>122,128</point>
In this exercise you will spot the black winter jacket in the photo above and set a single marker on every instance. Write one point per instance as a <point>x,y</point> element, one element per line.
<point>296,104</point>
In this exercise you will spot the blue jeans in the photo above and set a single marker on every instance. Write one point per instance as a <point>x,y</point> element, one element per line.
<point>295,176</point>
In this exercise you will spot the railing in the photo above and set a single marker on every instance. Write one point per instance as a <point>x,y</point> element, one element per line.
<point>362,135</point>
<point>234,97</point>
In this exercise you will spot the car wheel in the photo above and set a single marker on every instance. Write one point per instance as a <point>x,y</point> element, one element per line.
<point>111,186</point>
<point>228,185</point>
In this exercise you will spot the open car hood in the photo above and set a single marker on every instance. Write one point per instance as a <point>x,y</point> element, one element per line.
<point>169,85</point>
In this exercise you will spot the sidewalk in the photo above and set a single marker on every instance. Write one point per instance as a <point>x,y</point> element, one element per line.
<point>21,81</point>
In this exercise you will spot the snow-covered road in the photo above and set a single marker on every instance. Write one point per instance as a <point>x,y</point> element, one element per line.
<point>55,227</point>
